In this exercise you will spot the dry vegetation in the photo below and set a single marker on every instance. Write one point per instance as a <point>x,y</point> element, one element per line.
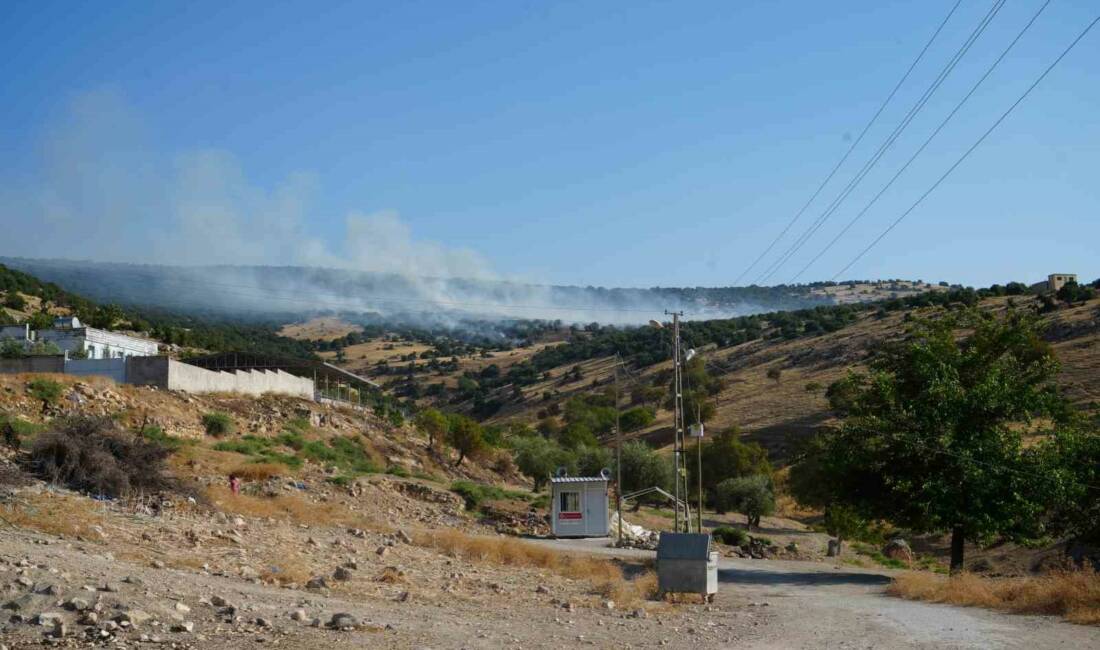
<point>1073,595</point>
<point>606,576</point>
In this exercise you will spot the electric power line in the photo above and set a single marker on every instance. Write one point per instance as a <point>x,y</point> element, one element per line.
<point>854,144</point>
<point>928,141</point>
<point>886,144</point>
<point>967,153</point>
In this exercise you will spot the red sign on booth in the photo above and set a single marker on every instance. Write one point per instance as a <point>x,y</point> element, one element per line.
<point>570,515</point>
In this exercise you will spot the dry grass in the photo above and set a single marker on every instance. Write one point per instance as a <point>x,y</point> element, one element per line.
<point>54,515</point>
<point>1073,595</point>
<point>288,507</point>
<point>260,471</point>
<point>605,576</point>
<point>292,570</point>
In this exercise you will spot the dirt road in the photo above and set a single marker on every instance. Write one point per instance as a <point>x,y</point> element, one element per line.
<point>820,605</point>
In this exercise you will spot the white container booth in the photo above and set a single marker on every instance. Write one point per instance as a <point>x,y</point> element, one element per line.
<point>579,506</point>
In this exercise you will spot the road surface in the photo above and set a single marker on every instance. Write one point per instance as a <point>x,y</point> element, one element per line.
<point>822,605</point>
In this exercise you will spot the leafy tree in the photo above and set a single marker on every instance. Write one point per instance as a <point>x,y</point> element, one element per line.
<point>931,440</point>
<point>750,495</point>
<point>576,435</point>
<point>643,468</point>
<point>465,435</point>
<point>11,349</point>
<point>1073,292</point>
<point>41,320</point>
<point>843,522</point>
<point>431,423</point>
<point>47,391</point>
<point>590,460</point>
<point>1068,464</point>
<point>726,456</point>
<point>14,300</point>
<point>635,418</point>
<point>105,316</point>
<point>538,458</point>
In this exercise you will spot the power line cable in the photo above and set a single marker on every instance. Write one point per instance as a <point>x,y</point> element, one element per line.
<point>851,148</point>
<point>886,144</point>
<point>967,153</point>
<point>931,137</point>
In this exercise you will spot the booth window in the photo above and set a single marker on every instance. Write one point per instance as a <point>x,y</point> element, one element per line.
<point>570,502</point>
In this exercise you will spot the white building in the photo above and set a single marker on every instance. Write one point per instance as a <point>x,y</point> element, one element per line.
<point>72,337</point>
<point>579,506</point>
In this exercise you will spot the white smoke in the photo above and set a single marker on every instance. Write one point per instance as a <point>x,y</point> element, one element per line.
<point>103,191</point>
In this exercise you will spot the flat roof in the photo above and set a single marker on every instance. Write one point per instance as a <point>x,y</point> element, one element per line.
<point>295,366</point>
<point>577,479</point>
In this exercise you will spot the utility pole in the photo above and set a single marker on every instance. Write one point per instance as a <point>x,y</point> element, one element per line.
<point>618,454</point>
<point>678,419</point>
<point>699,467</point>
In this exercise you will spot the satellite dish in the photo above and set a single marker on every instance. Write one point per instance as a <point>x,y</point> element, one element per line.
<point>605,473</point>
<point>689,355</point>
<point>561,472</point>
<point>657,324</point>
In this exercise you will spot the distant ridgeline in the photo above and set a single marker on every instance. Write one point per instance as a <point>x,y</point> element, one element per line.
<point>267,292</point>
<point>191,330</point>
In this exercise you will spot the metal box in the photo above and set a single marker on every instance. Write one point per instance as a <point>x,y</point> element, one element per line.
<point>579,506</point>
<point>685,564</point>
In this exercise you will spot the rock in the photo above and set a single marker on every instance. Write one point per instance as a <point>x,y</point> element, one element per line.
<point>640,613</point>
<point>185,627</point>
<point>317,582</point>
<point>542,589</point>
<point>898,549</point>
<point>130,580</point>
<point>49,619</point>
<point>343,621</point>
<point>134,617</point>
<point>383,551</point>
<point>609,604</point>
<point>22,603</point>
<point>45,588</point>
<point>834,548</point>
<point>89,618</point>
<point>342,573</point>
<point>218,601</point>
<point>24,581</point>
<point>248,573</point>
<point>404,537</point>
<point>262,622</point>
<point>298,615</point>
<point>182,608</point>
<point>157,564</point>
<point>77,604</point>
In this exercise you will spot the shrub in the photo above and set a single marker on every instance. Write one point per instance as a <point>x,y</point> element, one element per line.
<point>749,495</point>
<point>14,430</point>
<point>91,455</point>
<point>14,300</point>
<point>730,536</point>
<point>217,424</point>
<point>46,390</point>
<point>157,435</point>
<point>475,494</point>
<point>345,453</point>
<point>465,436</point>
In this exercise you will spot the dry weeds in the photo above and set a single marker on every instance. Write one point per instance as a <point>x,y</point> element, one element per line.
<point>260,471</point>
<point>605,576</point>
<point>1073,595</point>
<point>54,515</point>
<point>288,507</point>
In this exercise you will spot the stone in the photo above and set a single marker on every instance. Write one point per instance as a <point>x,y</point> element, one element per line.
<point>343,621</point>
<point>157,564</point>
<point>45,588</point>
<point>89,618</point>
<point>609,604</point>
<point>262,622</point>
<point>898,549</point>
<point>342,573</point>
<point>404,537</point>
<point>383,551</point>
<point>182,608</point>
<point>49,619</point>
<point>22,603</point>
<point>218,601</point>
<point>77,604</point>
<point>317,582</point>
<point>834,548</point>
<point>134,617</point>
<point>542,589</point>
<point>298,615</point>
<point>185,627</point>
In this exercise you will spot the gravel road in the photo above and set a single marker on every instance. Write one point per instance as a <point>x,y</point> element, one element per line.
<point>821,605</point>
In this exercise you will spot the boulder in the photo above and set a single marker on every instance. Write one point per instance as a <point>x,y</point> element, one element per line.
<point>898,549</point>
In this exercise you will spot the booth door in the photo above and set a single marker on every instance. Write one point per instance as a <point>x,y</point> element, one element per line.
<point>595,510</point>
<point>569,510</point>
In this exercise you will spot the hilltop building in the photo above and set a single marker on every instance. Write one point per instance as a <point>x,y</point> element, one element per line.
<point>1056,281</point>
<point>75,339</point>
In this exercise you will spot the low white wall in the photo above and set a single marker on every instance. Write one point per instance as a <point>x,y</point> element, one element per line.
<point>113,368</point>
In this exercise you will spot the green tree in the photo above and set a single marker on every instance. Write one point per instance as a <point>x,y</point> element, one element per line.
<point>843,522</point>
<point>12,349</point>
<point>41,320</point>
<point>465,436</point>
<point>750,495</point>
<point>431,423</point>
<point>932,441</point>
<point>725,456</point>
<point>590,460</point>
<point>643,468</point>
<point>538,458</point>
<point>14,300</point>
<point>45,390</point>
<point>636,418</point>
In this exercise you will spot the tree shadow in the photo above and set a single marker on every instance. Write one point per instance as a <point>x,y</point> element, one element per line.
<point>799,578</point>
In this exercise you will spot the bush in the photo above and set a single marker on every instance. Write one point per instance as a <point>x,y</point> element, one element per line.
<point>345,453</point>
<point>538,457</point>
<point>14,300</point>
<point>218,424</point>
<point>465,435</point>
<point>475,494</point>
<point>46,390</point>
<point>730,536</point>
<point>749,495</point>
<point>91,455</point>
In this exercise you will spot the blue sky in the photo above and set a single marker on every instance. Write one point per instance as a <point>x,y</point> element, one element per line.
<point>625,144</point>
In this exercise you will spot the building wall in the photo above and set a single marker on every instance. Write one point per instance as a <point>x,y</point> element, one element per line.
<point>17,332</point>
<point>98,344</point>
<point>1056,281</point>
<point>174,375</point>
<point>111,368</point>
<point>32,364</point>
